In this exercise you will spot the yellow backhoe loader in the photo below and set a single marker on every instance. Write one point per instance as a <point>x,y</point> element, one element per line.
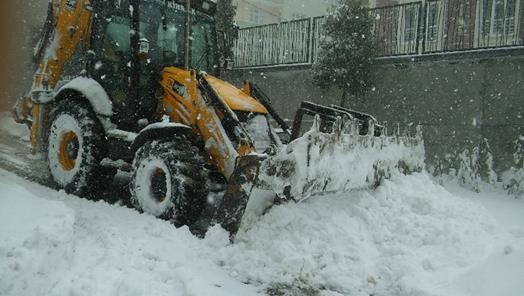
<point>129,85</point>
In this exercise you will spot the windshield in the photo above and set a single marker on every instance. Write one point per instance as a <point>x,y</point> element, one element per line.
<point>166,39</point>
<point>257,126</point>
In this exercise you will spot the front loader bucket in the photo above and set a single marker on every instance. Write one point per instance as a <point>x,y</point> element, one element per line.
<point>342,159</point>
<point>344,150</point>
<point>229,213</point>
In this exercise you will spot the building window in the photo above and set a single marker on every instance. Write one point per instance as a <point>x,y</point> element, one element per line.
<point>410,23</point>
<point>498,17</point>
<point>433,20</point>
<point>255,16</point>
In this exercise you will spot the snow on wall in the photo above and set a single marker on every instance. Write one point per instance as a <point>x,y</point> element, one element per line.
<point>513,179</point>
<point>94,92</point>
<point>474,168</point>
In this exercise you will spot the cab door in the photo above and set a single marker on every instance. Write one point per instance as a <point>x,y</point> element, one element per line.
<point>111,65</point>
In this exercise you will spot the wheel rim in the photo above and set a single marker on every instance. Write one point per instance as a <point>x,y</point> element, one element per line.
<point>159,185</point>
<point>151,187</point>
<point>68,151</point>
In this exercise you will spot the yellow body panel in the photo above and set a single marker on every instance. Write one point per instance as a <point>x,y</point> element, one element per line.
<point>183,102</point>
<point>72,28</point>
<point>235,98</point>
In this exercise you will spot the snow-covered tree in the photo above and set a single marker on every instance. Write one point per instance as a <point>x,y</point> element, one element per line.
<point>225,18</point>
<point>346,50</point>
<point>518,155</point>
<point>513,179</point>
<point>487,163</point>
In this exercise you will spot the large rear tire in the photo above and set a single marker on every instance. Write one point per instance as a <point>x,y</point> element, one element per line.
<point>169,181</point>
<point>76,146</point>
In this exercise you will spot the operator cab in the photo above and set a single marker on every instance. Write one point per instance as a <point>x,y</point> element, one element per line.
<point>129,67</point>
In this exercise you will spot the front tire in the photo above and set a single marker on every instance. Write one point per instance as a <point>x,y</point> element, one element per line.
<point>169,181</point>
<point>76,146</point>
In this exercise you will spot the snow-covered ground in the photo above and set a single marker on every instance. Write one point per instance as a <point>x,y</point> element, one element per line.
<point>408,237</point>
<point>502,272</point>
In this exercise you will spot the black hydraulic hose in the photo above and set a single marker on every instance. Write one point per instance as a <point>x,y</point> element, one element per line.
<point>258,94</point>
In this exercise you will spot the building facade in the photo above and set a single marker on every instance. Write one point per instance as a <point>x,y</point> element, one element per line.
<point>258,12</point>
<point>449,24</point>
<point>299,9</point>
<point>262,12</point>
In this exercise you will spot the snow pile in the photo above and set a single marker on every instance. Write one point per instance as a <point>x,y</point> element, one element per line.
<point>473,168</point>
<point>320,162</point>
<point>399,240</point>
<point>70,246</point>
<point>503,271</point>
<point>8,125</point>
<point>405,238</point>
<point>513,179</point>
<point>35,236</point>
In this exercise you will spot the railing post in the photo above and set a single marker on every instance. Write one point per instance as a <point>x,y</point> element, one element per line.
<point>310,40</point>
<point>518,20</point>
<point>424,26</point>
<point>280,43</point>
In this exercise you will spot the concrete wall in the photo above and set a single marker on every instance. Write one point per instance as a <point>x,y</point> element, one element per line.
<point>460,99</point>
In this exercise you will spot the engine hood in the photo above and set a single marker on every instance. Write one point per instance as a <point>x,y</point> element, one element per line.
<point>235,98</point>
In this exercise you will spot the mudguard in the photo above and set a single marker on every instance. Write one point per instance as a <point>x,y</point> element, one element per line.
<point>92,91</point>
<point>158,131</point>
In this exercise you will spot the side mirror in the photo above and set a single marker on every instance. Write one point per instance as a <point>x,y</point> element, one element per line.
<point>144,46</point>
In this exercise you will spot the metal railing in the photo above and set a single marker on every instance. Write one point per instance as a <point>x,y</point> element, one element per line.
<point>318,32</point>
<point>416,28</point>
<point>397,29</point>
<point>453,25</point>
<point>276,44</point>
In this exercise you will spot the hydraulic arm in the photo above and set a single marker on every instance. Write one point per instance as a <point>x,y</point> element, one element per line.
<point>66,29</point>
